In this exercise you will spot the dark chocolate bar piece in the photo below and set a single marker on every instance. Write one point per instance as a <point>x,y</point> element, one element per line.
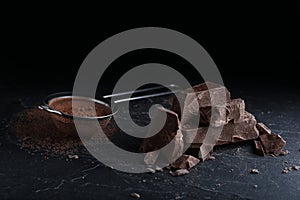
<point>231,132</point>
<point>218,115</point>
<point>155,146</point>
<point>203,92</point>
<point>272,143</point>
<point>164,136</point>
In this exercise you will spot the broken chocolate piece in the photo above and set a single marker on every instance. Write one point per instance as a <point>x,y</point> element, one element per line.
<point>263,129</point>
<point>185,162</point>
<point>272,143</point>
<point>235,110</point>
<point>165,135</point>
<point>203,93</point>
<point>231,132</point>
<point>215,116</point>
<point>155,146</point>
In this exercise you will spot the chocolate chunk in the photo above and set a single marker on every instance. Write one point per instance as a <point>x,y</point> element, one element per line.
<point>235,110</point>
<point>203,92</point>
<point>272,143</point>
<point>165,135</point>
<point>185,162</point>
<point>263,129</point>
<point>216,116</point>
<point>170,135</point>
<point>231,132</point>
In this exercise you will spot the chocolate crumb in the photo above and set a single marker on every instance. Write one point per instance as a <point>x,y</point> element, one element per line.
<point>179,172</point>
<point>285,152</point>
<point>254,171</point>
<point>158,169</point>
<point>135,195</point>
<point>73,156</point>
<point>285,171</point>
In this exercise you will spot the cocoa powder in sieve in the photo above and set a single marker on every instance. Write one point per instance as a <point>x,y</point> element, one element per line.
<point>81,107</point>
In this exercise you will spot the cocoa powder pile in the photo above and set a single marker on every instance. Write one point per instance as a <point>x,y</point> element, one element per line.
<point>37,133</point>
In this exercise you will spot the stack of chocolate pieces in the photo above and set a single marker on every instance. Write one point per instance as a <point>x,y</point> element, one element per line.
<point>237,124</point>
<point>205,116</point>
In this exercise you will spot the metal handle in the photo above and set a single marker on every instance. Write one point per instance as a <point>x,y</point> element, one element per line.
<point>145,96</point>
<point>140,90</point>
<point>48,109</point>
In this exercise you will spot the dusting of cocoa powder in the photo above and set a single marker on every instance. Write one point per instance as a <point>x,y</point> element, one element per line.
<point>37,133</point>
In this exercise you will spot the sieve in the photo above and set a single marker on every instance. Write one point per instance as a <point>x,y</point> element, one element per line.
<point>64,121</point>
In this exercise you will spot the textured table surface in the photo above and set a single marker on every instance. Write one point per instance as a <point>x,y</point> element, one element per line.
<point>25,176</point>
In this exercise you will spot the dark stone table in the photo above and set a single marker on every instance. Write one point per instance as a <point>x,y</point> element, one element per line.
<point>25,176</point>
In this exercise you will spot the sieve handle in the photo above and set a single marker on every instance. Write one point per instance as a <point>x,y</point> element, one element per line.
<point>146,96</point>
<point>176,87</point>
<point>48,109</point>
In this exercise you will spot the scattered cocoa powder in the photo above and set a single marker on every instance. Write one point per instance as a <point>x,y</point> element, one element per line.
<point>37,133</point>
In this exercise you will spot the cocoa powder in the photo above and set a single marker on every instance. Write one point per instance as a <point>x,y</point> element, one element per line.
<point>81,107</point>
<point>37,133</point>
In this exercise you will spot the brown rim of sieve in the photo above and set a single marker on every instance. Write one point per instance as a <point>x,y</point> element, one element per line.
<point>63,95</point>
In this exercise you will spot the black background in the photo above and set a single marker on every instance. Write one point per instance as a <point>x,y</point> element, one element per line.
<point>255,46</point>
<point>251,44</point>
